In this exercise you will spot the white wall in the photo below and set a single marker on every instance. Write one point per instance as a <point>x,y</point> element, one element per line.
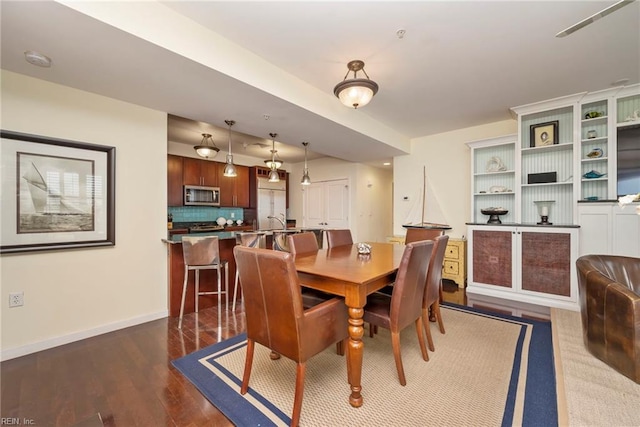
<point>73,294</point>
<point>447,161</point>
<point>370,207</point>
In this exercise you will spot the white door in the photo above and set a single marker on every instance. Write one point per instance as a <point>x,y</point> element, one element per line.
<point>326,204</point>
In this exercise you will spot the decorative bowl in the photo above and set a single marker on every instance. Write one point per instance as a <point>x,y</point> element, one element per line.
<point>494,214</point>
<point>239,222</point>
<point>221,221</point>
<point>595,153</point>
<point>593,174</point>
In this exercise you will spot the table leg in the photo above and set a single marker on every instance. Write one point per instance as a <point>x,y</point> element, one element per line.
<point>354,355</point>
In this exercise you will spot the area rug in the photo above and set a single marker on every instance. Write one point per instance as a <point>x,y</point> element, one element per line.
<point>595,394</point>
<point>487,370</point>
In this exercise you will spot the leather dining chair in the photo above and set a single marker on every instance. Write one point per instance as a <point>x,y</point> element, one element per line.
<point>404,306</point>
<point>276,319</point>
<point>203,253</point>
<point>433,288</point>
<point>250,240</point>
<point>417,234</point>
<point>339,238</point>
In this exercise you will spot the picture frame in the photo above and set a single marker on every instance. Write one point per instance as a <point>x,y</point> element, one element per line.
<point>544,134</point>
<point>56,194</point>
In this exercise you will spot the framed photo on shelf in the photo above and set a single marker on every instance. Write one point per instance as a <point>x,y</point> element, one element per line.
<point>56,194</point>
<point>544,134</point>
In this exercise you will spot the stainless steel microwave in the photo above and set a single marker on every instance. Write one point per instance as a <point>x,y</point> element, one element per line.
<point>195,195</point>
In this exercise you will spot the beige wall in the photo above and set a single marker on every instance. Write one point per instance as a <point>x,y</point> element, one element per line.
<point>72,294</point>
<point>446,159</point>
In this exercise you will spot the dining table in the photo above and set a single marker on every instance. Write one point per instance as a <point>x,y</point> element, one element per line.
<point>343,271</point>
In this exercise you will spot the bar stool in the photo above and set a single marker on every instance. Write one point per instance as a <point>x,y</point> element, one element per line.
<point>250,240</point>
<point>203,253</point>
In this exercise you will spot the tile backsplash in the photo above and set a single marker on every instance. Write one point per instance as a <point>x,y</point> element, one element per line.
<point>204,213</point>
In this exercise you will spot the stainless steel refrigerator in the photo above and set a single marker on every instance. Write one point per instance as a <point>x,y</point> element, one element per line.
<point>272,201</point>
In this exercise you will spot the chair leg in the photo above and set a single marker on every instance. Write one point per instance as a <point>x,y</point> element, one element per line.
<point>436,309</point>
<point>395,343</point>
<point>197,293</point>
<point>248,362</point>
<point>184,294</point>
<point>226,286</point>
<point>235,291</point>
<point>423,348</point>
<point>219,296</point>
<point>297,400</point>
<point>427,328</point>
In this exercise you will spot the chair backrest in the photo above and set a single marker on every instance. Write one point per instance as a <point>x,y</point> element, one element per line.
<point>303,243</point>
<point>339,238</point>
<point>201,250</point>
<point>434,274</point>
<point>417,234</point>
<point>408,291</point>
<point>250,240</point>
<point>272,299</point>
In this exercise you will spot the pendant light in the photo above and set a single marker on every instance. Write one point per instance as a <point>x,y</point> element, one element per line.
<point>355,92</point>
<point>273,174</point>
<point>305,175</point>
<point>207,147</point>
<point>230,168</point>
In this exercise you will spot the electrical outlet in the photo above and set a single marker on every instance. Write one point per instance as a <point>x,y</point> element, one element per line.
<point>16,299</point>
<point>233,214</point>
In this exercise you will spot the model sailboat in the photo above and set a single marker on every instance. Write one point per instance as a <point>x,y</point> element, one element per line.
<point>419,208</point>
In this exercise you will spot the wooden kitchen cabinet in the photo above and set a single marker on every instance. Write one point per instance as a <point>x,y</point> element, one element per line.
<point>174,180</point>
<point>455,262</point>
<point>199,172</point>
<point>234,191</point>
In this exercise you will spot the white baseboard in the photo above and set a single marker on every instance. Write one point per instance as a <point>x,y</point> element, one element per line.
<point>12,353</point>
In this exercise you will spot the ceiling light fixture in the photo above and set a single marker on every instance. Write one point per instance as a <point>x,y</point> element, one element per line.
<point>305,174</point>
<point>274,162</point>
<point>355,92</point>
<point>230,168</point>
<point>207,147</point>
<point>273,174</point>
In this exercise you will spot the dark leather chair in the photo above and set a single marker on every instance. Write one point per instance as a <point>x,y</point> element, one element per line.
<point>276,319</point>
<point>609,292</point>
<point>433,288</point>
<point>404,306</point>
<point>338,238</point>
<point>302,243</point>
<point>417,234</point>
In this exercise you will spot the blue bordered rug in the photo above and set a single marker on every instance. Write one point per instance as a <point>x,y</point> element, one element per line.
<point>488,369</point>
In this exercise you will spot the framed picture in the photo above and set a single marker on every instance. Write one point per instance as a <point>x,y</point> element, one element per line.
<point>544,134</point>
<point>56,194</point>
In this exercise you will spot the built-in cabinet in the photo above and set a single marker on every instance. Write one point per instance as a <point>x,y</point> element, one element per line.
<point>199,172</point>
<point>234,191</point>
<point>534,264</point>
<point>174,180</point>
<point>607,228</point>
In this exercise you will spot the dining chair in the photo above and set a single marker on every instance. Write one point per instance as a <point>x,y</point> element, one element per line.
<point>276,319</point>
<point>417,234</point>
<point>203,253</point>
<point>302,243</point>
<point>433,289</point>
<point>250,240</point>
<point>338,238</point>
<point>404,306</point>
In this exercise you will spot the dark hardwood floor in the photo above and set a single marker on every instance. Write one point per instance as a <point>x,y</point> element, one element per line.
<point>125,378</point>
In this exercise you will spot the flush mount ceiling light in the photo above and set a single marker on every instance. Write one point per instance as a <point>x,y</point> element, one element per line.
<point>305,175</point>
<point>356,92</point>
<point>38,59</point>
<point>273,174</point>
<point>207,147</point>
<point>230,168</point>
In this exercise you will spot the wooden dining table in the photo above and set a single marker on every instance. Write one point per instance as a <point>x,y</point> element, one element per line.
<point>342,271</point>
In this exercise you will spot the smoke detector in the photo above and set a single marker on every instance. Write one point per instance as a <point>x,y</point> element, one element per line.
<point>37,59</point>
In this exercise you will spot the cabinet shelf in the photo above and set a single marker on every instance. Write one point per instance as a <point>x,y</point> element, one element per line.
<point>595,160</point>
<point>506,193</point>
<point>629,123</point>
<point>597,139</point>
<point>595,120</point>
<point>594,179</point>
<point>494,173</point>
<point>548,184</point>
<point>556,147</point>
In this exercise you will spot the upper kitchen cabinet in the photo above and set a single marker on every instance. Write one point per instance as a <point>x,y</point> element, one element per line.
<point>174,180</point>
<point>199,172</point>
<point>234,191</point>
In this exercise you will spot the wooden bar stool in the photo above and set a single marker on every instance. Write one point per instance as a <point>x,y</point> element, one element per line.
<point>203,253</point>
